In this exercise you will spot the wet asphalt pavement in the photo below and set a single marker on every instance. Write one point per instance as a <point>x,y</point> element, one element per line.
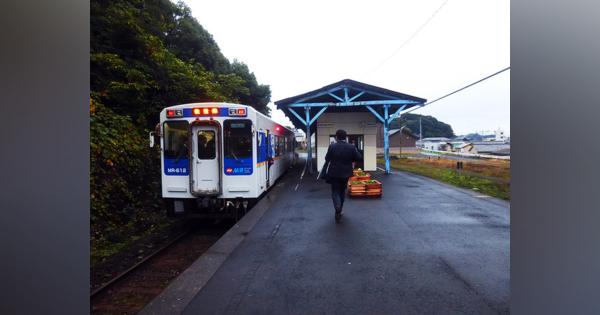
<point>423,248</point>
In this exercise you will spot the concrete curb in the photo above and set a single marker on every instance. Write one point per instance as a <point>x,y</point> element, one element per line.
<point>186,286</point>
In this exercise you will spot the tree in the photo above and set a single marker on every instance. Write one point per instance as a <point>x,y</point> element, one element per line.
<point>431,126</point>
<point>146,55</point>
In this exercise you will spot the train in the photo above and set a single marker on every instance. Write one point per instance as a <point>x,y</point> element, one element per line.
<point>217,159</point>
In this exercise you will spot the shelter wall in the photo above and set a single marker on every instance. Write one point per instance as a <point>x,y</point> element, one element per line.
<point>358,123</point>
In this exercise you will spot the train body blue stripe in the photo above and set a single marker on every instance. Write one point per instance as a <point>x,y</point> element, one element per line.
<point>174,167</point>
<point>240,166</point>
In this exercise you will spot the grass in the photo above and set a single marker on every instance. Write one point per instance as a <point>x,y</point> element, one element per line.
<point>490,177</point>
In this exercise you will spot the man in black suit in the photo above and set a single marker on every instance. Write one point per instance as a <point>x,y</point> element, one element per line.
<point>340,156</point>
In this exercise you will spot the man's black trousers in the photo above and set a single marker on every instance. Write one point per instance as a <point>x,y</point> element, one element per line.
<point>338,190</point>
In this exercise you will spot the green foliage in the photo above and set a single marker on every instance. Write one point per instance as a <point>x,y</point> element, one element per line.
<point>123,183</point>
<point>431,126</point>
<point>146,55</point>
<point>489,186</point>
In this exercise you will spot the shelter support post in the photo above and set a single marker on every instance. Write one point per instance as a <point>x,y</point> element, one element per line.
<point>386,141</point>
<point>308,141</point>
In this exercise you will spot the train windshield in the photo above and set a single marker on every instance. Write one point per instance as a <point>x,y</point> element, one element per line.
<point>238,139</point>
<point>206,145</point>
<point>176,139</point>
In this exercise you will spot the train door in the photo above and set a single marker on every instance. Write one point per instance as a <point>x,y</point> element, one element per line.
<point>262,161</point>
<point>206,157</point>
<point>269,158</point>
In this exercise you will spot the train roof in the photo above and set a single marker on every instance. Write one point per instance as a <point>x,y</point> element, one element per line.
<point>187,105</point>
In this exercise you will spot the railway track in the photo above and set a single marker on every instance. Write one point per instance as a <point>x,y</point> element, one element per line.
<point>123,274</point>
<point>132,289</point>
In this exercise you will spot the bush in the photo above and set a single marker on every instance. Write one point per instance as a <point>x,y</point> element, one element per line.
<point>124,180</point>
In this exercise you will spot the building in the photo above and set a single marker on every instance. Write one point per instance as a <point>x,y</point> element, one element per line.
<point>300,138</point>
<point>350,105</point>
<point>497,135</point>
<point>405,141</point>
<point>435,144</point>
<point>491,147</point>
<point>361,129</point>
<point>462,147</point>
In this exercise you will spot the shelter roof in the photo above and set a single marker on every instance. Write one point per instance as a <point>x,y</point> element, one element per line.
<point>346,96</point>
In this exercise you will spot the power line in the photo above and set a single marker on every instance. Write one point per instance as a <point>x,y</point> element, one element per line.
<point>456,91</point>
<point>410,38</point>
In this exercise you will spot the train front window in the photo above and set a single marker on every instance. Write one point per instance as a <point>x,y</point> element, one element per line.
<point>176,139</point>
<point>238,139</point>
<point>206,145</point>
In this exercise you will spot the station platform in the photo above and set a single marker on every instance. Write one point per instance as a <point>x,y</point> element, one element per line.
<point>423,248</point>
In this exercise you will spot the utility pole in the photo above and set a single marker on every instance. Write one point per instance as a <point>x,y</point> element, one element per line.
<point>401,135</point>
<point>420,129</point>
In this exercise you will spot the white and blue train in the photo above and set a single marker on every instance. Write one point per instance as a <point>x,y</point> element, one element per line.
<point>218,157</point>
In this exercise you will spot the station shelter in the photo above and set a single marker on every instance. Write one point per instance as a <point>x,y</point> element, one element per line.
<point>356,107</point>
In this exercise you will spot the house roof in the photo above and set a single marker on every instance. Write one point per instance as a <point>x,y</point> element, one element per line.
<point>435,139</point>
<point>460,145</point>
<point>345,96</point>
<point>483,147</point>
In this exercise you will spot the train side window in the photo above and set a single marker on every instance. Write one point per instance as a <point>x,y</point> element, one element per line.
<point>176,139</point>
<point>278,145</point>
<point>206,145</point>
<point>238,138</point>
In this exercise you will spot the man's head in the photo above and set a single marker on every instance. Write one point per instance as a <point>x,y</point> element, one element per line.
<point>340,134</point>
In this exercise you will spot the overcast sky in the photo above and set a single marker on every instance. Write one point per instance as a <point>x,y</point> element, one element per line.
<point>299,46</point>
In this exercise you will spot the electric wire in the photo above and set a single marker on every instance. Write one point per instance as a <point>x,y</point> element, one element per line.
<point>456,91</point>
<point>409,39</point>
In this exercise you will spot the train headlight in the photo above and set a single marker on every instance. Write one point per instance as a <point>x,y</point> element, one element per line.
<point>237,111</point>
<point>174,113</point>
<point>206,111</point>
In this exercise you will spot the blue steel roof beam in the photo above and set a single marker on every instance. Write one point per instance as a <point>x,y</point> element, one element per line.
<point>356,96</point>
<point>396,114</point>
<point>337,97</point>
<point>346,95</point>
<point>298,116</point>
<point>337,88</point>
<point>375,113</point>
<point>362,103</point>
<point>312,120</point>
<point>384,95</point>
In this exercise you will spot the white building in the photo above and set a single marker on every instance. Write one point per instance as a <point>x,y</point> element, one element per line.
<point>300,138</point>
<point>361,129</point>
<point>500,135</point>
<point>435,143</point>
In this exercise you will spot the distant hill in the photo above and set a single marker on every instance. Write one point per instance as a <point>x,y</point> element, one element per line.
<point>431,126</point>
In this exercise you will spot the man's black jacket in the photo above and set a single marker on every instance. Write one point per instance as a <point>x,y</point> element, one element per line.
<point>341,155</point>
